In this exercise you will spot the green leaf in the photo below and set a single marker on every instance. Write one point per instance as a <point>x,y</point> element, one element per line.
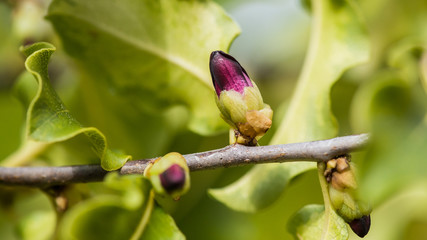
<point>405,57</point>
<point>25,88</point>
<point>338,42</point>
<point>161,226</point>
<point>313,222</point>
<point>154,54</point>
<point>392,106</point>
<point>48,120</point>
<point>128,188</point>
<point>316,221</point>
<point>396,158</point>
<point>399,213</point>
<point>423,66</point>
<point>30,226</point>
<point>100,218</point>
<point>118,214</point>
<point>259,187</point>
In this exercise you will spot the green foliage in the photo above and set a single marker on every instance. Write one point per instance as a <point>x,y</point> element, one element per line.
<point>338,42</point>
<point>161,226</point>
<point>315,221</point>
<point>393,103</point>
<point>394,99</point>
<point>259,188</point>
<point>120,212</point>
<point>410,206</point>
<point>312,222</point>
<point>48,120</point>
<point>138,72</point>
<point>30,226</point>
<point>147,52</point>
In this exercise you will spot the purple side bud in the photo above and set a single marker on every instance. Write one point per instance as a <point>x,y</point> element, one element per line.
<point>227,73</point>
<point>173,178</point>
<point>361,226</point>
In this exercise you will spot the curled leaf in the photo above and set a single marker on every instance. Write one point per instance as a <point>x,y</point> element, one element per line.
<point>49,121</point>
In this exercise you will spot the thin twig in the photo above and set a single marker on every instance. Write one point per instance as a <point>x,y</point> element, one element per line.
<point>230,156</point>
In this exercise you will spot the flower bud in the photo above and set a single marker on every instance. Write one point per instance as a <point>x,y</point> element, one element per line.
<point>238,99</point>
<point>361,225</point>
<point>227,73</point>
<point>348,205</point>
<point>341,176</point>
<point>173,178</point>
<point>169,175</point>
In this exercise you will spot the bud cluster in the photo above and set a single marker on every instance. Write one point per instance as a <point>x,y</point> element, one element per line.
<point>238,99</point>
<point>341,176</point>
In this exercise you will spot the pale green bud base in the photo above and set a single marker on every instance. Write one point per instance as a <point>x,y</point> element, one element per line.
<point>246,113</point>
<point>347,204</point>
<point>256,125</point>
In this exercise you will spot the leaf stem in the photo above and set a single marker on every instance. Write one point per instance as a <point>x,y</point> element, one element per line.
<point>145,217</point>
<point>26,152</point>
<point>321,166</point>
<point>323,184</point>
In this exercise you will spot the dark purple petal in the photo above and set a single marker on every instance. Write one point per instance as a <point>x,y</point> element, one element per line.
<point>361,226</point>
<point>173,178</point>
<point>227,73</point>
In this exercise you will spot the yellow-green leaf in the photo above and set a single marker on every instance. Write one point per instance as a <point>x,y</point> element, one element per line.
<point>338,42</point>
<point>49,121</point>
<point>313,223</point>
<point>154,54</point>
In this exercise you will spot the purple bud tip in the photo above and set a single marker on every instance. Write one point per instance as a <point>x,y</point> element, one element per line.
<point>173,178</point>
<point>227,73</point>
<point>361,226</point>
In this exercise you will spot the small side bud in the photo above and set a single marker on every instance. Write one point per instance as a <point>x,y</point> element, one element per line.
<point>361,225</point>
<point>238,99</point>
<point>173,178</point>
<point>169,175</point>
<point>340,173</point>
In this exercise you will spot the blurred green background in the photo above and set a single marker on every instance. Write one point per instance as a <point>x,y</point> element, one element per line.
<point>385,96</point>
